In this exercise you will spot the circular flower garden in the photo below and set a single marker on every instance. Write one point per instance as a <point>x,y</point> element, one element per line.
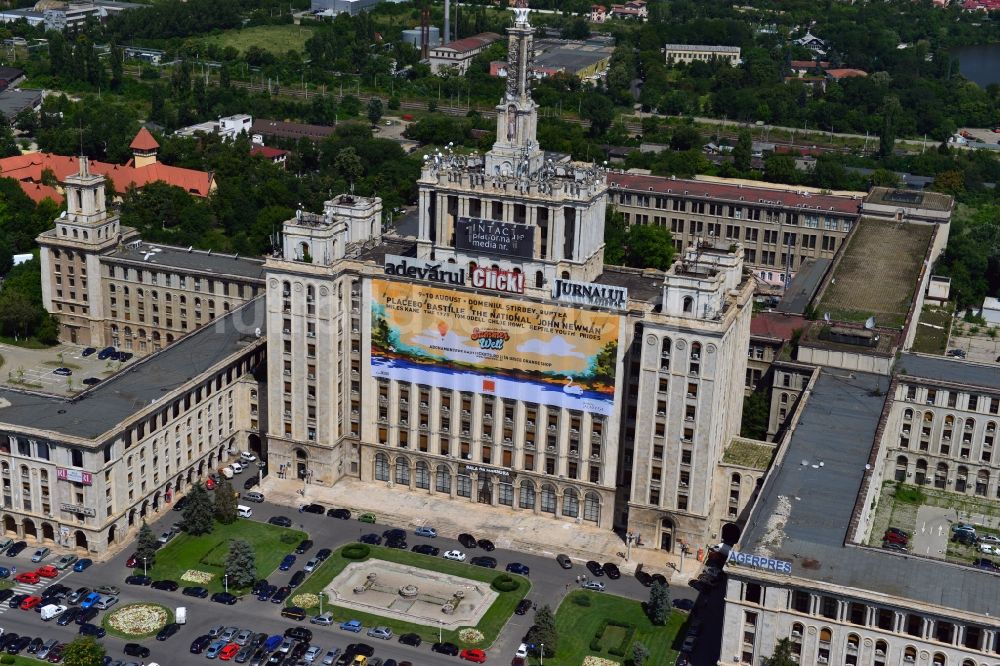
<point>305,600</point>
<point>471,636</point>
<point>137,620</point>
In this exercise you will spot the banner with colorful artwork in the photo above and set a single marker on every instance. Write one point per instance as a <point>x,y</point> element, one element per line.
<point>514,349</point>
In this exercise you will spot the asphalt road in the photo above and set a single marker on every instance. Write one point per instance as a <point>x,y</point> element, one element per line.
<point>549,584</point>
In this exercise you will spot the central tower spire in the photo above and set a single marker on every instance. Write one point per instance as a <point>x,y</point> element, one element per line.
<point>516,152</point>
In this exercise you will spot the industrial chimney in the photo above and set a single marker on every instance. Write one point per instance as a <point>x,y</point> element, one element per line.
<point>447,22</point>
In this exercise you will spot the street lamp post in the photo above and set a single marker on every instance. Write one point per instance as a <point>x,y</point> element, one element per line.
<point>321,595</point>
<point>440,631</point>
<point>541,655</point>
<point>144,566</point>
<point>225,581</point>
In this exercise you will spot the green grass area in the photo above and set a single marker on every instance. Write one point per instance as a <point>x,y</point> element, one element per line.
<point>208,552</point>
<point>932,330</point>
<point>27,343</point>
<point>583,614</point>
<point>490,625</point>
<point>278,39</point>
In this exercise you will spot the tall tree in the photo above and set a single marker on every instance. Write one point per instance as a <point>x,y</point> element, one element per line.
<point>782,655</point>
<point>83,651</point>
<point>640,653</point>
<point>198,514</point>
<point>544,632</point>
<point>649,247</point>
<point>374,110</point>
<point>349,165</point>
<point>743,151</point>
<point>891,111</point>
<point>659,604</point>
<point>599,110</point>
<point>225,502</point>
<point>145,545</point>
<point>241,564</point>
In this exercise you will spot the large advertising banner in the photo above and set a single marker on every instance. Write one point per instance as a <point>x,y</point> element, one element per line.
<point>493,237</point>
<point>557,356</point>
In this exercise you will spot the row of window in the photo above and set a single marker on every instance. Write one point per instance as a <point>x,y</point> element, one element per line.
<point>218,287</point>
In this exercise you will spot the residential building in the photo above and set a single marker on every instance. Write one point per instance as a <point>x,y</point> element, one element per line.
<point>62,16</point>
<point>459,53</point>
<point>228,127</point>
<point>991,311</point>
<point>263,128</point>
<point>685,54</point>
<point>14,101</point>
<point>273,155</point>
<point>812,42</point>
<point>778,227</point>
<point>334,7</point>
<point>634,10</point>
<point>841,73</point>
<point>585,59</point>
<point>598,14</point>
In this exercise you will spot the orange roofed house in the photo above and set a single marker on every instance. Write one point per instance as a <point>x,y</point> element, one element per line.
<point>141,170</point>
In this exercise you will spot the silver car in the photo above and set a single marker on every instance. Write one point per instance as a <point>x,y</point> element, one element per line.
<point>46,648</point>
<point>40,554</point>
<point>312,653</point>
<point>243,637</point>
<point>324,620</point>
<point>229,634</point>
<point>331,656</point>
<point>215,632</point>
<point>385,633</point>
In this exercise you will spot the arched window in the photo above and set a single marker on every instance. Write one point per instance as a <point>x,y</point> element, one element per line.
<point>695,351</point>
<point>548,498</point>
<point>881,650</point>
<point>571,503</point>
<point>539,279</point>
<point>939,659</point>
<point>688,304</point>
<point>592,507</point>
<point>941,475</point>
<point>527,495</point>
<point>381,467</point>
<point>402,471</point>
<point>908,415</point>
<point>442,482</point>
<point>784,398</point>
<point>422,475</point>
<point>909,654</point>
<point>310,293</point>
<point>665,347</point>
<point>735,479</point>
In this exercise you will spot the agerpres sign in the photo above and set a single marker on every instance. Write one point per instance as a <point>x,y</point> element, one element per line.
<point>421,269</point>
<point>492,237</point>
<point>760,562</point>
<point>589,293</point>
<point>499,279</point>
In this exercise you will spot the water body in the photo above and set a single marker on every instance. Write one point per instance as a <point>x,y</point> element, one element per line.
<point>980,64</point>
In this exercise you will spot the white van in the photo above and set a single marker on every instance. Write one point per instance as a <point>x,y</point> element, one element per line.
<point>50,611</point>
<point>227,472</point>
<point>181,615</point>
<point>244,511</point>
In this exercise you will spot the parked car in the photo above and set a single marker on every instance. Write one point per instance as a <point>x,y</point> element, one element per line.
<point>523,607</point>
<point>27,578</point>
<point>293,613</point>
<point>595,568</point>
<point>138,580</point>
<point>87,352</point>
<point>595,585</point>
<point>199,644</point>
<point>486,545</point>
<point>467,540</point>
<point>564,561</point>
<point>65,561</point>
<point>287,563</point>
<point>612,571</point>
<point>342,514</point>
<point>297,579</point>
<point>167,631</point>
<point>428,532</point>
<point>518,568</point>
<point>195,591</point>
<point>88,629</point>
<point>384,633</point>
<point>166,585</point>
<point>280,521</point>
<point>281,594</point>
<point>426,549</point>
<point>484,561</point>
<point>40,554</point>
<point>324,620</point>
<point>62,372</point>
<point>353,626</point>
<point>410,639</point>
<point>366,518</point>
<point>15,548</point>
<point>318,509</point>
<point>683,604</point>
<point>106,353</point>
<point>106,602</point>
<point>311,565</point>
<point>82,564</point>
<point>254,496</point>
<point>47,571</point>
<point>224,598</point>
<point>303,546</point>
<point>474,655</point>
<point>449,649</point>
<point>454,555</point>
<point>299,633</point>
<point>371,539</point>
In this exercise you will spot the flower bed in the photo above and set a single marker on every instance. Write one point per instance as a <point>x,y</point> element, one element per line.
<point>195,576</point>
<point>471,636</point>
<point>137,620</point>
<point>305,600</point>
<point>598,661</point>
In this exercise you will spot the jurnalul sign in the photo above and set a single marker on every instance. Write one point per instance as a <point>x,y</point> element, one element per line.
<point>514,349</point>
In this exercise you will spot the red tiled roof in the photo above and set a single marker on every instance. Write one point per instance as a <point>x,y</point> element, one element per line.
<point>144,141</point>
<point>29,167</point>
<point>809,64</point>
<point>472,43</point>
<point>38,192</point>
<point>845,73</point>
<point>775,325</point>
<point>733,192</point>
<point>268,152</point>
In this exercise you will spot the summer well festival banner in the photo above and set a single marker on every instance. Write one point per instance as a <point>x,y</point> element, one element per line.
<point>563,357</point>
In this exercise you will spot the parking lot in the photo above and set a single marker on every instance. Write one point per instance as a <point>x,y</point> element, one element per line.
<point>35,369</point>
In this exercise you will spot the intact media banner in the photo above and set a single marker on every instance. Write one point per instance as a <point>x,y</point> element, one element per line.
<point>492,237</point>
<point>562,357</point>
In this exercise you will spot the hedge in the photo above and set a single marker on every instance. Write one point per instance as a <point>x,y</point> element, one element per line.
<point>356,551</point>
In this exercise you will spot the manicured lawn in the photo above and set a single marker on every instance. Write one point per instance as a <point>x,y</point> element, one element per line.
<point>491,624</point>
<point>578,624</point>
<point>278,39</point>
<point>208,552</point>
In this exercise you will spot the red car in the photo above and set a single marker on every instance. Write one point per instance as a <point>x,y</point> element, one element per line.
<point>47,571</point>
<point>477,656</point>
<point>132,561</point>
<point>30,602</point>
<point>209,484</point>
<point>28,578</point>
<point>229,651</point>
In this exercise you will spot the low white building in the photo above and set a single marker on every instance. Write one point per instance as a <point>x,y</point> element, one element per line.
<point>991,311</point>
<point>688,53</point>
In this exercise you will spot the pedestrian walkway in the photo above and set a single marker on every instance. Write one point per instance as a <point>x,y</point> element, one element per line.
<point>507,528</point>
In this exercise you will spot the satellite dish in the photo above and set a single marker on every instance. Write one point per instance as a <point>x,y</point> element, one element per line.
<point>826,317</point>
<point>870,323</point>
<point>256,332</point>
